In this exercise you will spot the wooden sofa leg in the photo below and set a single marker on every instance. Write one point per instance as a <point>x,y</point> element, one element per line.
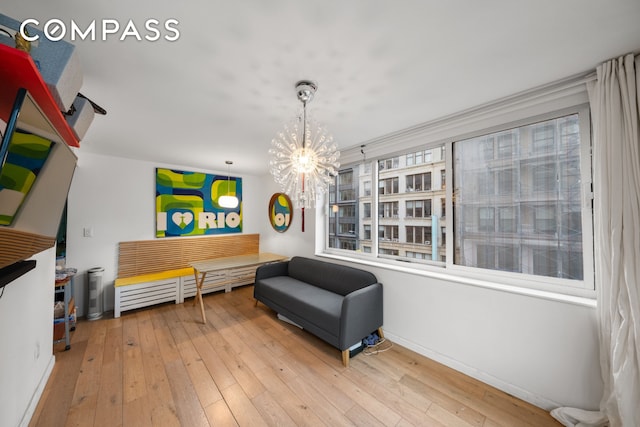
<point>380,333</point>
<point>255,304</point>
<point>345,358</point>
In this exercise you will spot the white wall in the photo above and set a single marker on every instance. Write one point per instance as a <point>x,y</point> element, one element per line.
<point>26,331</point>
<point>540,350</point>
<point>543,351</point>
<point>116,198</point>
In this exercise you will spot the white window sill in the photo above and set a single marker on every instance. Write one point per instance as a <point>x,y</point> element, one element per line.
<point>455,278</point>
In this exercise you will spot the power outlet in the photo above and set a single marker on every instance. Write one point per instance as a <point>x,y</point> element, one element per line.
<point>87,231</point>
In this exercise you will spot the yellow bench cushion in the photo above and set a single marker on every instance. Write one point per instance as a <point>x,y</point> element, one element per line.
<point>142,278</point>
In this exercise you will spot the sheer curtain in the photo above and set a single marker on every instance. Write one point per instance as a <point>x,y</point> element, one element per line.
<point>614,100</point>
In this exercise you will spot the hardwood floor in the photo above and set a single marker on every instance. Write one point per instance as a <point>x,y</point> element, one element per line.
<point>162,367</point>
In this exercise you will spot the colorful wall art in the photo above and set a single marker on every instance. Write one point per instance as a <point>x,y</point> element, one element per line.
<point>26,156</point>
<point>280,212</point>
<point>187,204</point>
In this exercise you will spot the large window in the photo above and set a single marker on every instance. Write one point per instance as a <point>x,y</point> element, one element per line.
<point>519,226</point>
<point>516,205</point>
<point>410,226</point>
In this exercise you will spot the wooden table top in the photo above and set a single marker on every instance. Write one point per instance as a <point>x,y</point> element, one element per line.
<point>235,261</point>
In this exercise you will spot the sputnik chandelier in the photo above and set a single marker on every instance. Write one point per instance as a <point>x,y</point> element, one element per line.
<point>304,158</point>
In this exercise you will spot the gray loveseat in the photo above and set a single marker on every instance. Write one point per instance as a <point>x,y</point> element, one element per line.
<point>339,304</point>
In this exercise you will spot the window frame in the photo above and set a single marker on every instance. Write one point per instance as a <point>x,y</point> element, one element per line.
<point>518,282</point>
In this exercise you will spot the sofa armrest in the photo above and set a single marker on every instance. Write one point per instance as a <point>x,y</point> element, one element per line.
<point>273,269</point>
<point>361,314</point>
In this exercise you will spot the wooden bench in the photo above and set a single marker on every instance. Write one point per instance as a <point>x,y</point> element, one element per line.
<point>148,289</point>
<point>157,271</point>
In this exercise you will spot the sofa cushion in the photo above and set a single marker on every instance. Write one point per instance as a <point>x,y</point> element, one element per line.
<point>336,278</point>
<point>318,306</point>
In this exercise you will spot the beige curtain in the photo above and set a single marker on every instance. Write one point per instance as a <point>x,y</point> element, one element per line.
<point>614,102</point>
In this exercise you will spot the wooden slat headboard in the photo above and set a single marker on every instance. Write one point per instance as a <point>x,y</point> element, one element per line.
<point>153,256</point>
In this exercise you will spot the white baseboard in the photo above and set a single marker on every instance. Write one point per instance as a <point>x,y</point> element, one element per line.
<point>37,394</point>
<point>539,401</point>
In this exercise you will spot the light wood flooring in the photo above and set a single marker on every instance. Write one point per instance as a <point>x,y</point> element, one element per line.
<point>162,367</point>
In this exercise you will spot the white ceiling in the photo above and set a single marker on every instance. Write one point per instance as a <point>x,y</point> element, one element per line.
<point>226,86</point>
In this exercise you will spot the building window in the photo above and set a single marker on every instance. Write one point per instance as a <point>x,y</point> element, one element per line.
<point>347,229</point>
<point>427,156</point>
<point>347,194</point>
<point>506,145</point>
<point>486,219</point>
<point>367,188</point>
<point>418,182</point>
<point>418,234</point>
<point>544,219</point>
<point>387,251</point>
<point>544,178</point>
<point>366,210</point>
<point>391,163</point>
<point>411,159</point>
<point>418,208</point>
<point>507,181</point>
<point>343,213</point>
<point>388,210</point>
<point>332,194</point>
<point>569,133</point>
<point>388,232</point>
<point>485,182</point>
<point>417,255</point>
<point>543,137</point>
<point>508,258</point>
<point>367,232</point>
<point>345,178</point>
<point>347,211</point>
<point>486,148</point>
<point>507,220</point>
<point>347,245</point>
<point>388,186</point>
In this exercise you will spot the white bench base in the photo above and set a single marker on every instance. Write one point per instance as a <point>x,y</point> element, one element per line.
<point>177,289</point>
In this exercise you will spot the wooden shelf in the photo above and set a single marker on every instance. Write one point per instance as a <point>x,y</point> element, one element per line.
<point>17,70</point>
